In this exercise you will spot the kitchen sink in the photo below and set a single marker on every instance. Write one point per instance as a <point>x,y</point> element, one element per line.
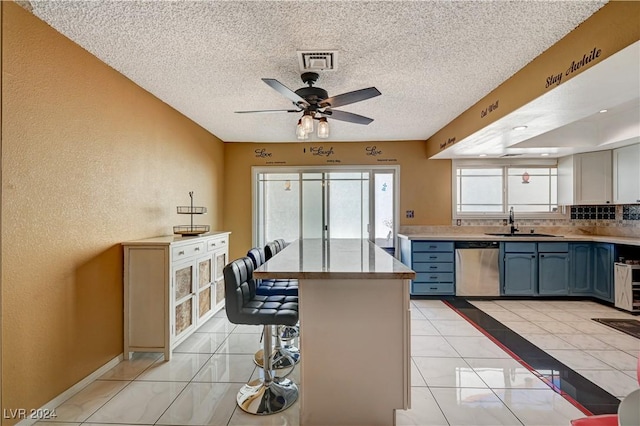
<point>524,235</point>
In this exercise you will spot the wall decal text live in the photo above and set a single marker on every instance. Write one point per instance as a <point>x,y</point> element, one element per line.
<point>262,153</point>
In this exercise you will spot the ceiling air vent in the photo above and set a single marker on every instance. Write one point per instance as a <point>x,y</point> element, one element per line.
<point>324,60</point>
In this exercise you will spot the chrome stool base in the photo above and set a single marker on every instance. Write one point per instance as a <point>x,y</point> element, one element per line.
<point>289,332</point>
<point>256,398</point>
<point>281,358</point>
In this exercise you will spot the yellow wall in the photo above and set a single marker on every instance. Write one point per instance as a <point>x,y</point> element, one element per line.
<point>425,185</point>
<point>89,159</point>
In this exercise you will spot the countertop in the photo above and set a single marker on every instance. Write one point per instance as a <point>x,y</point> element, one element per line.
<point>521,237</point>
<point>333,259</point>
<point>170,239</point>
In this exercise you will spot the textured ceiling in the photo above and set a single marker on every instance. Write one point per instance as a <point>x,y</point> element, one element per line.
<point>430,59</point>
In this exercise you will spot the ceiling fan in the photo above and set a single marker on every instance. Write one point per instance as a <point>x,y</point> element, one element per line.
<point>315,103</point>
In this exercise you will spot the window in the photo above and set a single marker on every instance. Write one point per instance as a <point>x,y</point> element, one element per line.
<point>326,202</point>
<point>489,189</point>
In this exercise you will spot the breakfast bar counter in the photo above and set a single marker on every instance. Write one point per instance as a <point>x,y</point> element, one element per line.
<point>354,330</point>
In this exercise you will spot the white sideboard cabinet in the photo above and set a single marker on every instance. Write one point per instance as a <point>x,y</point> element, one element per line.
<point>585,179</point>
<point>172,285</point>
<point>626,175</point>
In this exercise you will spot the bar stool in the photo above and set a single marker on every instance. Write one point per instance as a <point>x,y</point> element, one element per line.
<point>243,306</point>
<point>268,287</point>
<point>271,249</point>
<point>284,356</point>
<point>281,243</point>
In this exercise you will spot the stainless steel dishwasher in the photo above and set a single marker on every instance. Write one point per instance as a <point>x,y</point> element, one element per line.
<point>477,268</point>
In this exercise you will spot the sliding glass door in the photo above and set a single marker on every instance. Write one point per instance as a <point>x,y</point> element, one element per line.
<point>325,203</point>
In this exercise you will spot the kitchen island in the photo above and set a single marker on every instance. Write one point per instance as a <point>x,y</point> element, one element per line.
<point>355,330</point>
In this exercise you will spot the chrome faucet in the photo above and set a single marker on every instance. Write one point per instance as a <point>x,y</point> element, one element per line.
<point>512,221</point>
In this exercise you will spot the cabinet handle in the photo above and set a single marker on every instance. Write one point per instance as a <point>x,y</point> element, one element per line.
<point>542,255</point>
<point>533,256</point>
<point>197,248</point>
<point>433,267</point>
<point>433,277</point>
<point>432,257</point>
<point>180,253</point>
<point>223,241</point>
<point>433,288</point>
<point>432,246</point>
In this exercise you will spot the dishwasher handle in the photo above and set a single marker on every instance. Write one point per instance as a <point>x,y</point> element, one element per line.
<point>476,245</point>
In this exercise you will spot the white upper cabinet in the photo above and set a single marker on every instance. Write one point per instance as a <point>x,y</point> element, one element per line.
<point>585,179</point>
<point>626,175</point>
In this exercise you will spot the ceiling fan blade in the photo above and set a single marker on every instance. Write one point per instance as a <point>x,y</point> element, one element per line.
<point>285,91</point>
<point>265,111</point>
<point>351,97</point>
<point>347,116</point>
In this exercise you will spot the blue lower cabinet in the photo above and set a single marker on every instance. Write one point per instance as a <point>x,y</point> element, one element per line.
<point>603,258</point>
<point>433,263</point>
<point>432,288</point>
<point>520,274</point>
<point>535,269</point>
<point>581,269</point>
<point>553,274</point>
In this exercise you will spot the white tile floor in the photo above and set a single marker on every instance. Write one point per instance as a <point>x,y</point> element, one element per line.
<point>565,330</point>
<point>459,377</point>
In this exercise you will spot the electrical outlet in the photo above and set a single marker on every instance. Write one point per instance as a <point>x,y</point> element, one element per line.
<point>458,222</point>
<point>409,214</point>
<point>504,222</point>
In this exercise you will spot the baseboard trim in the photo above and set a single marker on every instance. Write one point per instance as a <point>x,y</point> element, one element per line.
<point>51,405</point>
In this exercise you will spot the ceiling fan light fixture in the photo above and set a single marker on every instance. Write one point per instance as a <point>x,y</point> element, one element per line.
<point>307,122</point>
<point>300,133</point>
<point>323,128</point>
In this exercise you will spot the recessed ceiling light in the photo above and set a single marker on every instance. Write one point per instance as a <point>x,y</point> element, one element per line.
<point>519,127</point>
<point>602,111</point>
<point>545,154</point>
<point>482,155</point>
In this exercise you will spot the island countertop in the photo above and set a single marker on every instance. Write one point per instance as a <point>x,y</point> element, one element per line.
<point>334,259</point>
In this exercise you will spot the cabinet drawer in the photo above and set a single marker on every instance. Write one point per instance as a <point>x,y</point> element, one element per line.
<point>433,257</point>
<point>553,247</point>
<point>187,250</point>
<point>433,246</point>
<point>432,267</point>
<point>434,277</point>
<point>216,243</point>
<point>520,247</point>
<point>421,288</point>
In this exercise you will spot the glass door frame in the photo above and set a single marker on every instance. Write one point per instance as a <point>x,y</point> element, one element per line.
<point>372,169</point>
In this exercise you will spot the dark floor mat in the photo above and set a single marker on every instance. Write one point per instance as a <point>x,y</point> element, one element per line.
<point>628,326</point>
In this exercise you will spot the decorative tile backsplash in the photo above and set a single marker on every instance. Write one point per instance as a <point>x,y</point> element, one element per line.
<point>631,212</point>
<point>609,217</point>
<point>593,212</point>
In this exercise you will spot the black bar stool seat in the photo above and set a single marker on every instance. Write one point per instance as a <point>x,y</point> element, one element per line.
<point>243,306</point>
<point>287,355</point>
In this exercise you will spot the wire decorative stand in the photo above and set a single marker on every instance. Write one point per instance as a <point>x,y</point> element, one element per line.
<point>191,229</point>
